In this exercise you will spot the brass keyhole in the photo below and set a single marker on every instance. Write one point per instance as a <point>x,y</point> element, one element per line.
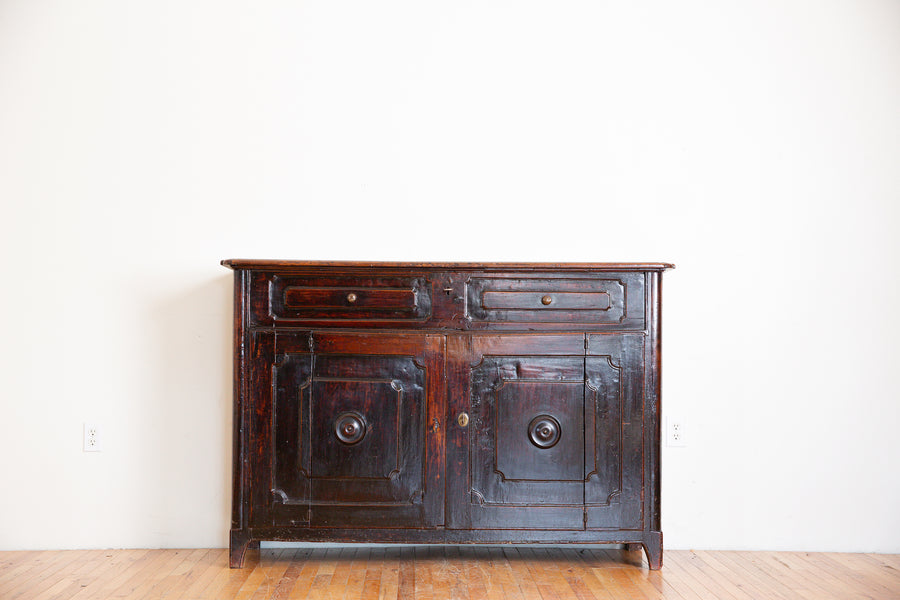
<point>463,419</point>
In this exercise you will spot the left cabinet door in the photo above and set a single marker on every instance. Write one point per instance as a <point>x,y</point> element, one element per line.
<point>346,430</point>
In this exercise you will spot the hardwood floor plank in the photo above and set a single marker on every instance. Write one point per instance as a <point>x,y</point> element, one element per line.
<point>613,576</point>
<point>492,576</point>
<point>475,584</point>
<point>340,574</point>
<point>356,576</point>
<point>372,581</point>
<point>69,581</point>
<point>740,574</point>
<point>692,564</point>
<point>406,576</point>
<point>438,572</point>
<point>425,557</point>
<point>823,576</point>
<point>307,575</point>
<point>503,575</point>
<point>225,579</point>
<point>318,585</point>
<point>582,570</point>
<point>22,565</point>
<point>569,580</point>
<point>280,564</point>
<point>140,573</point>
<point>651,583</point>
<point>780,573</point>
<point>249,585</point>
<point>43,568</point>
<point>457,584</point>
<point>93,568</point>
<point>681,583</point>
<point>523,573</point>
<point>801,571</point>
<point>29,561</point>
<point>164,563</point>
<point>857,572</point>
<point>390,576</point>
<point>218,563</point>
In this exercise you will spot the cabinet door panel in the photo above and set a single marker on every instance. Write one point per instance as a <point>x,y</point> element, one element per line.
<point>382,401</point>
<point>613,432</point>
<point>526,442</point>
<point>583,470</point>
<point>350,436</point>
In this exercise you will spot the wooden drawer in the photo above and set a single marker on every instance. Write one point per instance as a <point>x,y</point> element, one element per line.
<point>616,301</point>
<point>347,298</point>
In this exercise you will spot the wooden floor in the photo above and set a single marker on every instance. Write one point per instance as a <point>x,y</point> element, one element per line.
<point>444,572</point>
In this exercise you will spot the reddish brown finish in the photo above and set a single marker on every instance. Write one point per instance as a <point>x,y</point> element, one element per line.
<point>351,378</point>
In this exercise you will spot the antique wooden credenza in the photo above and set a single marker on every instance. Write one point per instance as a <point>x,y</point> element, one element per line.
<point>446,403</point>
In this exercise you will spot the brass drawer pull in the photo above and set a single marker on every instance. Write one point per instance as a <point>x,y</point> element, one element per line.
<point>546,300</point>
<point>351,297</point>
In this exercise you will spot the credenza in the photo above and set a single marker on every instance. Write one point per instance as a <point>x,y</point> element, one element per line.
<point>502,403</point>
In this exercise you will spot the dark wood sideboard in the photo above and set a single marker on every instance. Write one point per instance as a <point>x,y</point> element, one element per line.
<point>446,403</point>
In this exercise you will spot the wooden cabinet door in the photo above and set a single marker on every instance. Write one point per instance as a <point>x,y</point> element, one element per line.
<point>519,462</point>
<point>553,439</point>
<point>352,429</point>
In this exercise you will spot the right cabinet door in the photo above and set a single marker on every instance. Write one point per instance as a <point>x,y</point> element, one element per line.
<point>554,433</point>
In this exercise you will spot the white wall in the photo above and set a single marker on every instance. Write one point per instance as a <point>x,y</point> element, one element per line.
<point>754,144</point>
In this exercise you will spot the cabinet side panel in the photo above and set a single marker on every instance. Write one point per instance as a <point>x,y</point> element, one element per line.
<point>239,481</point>
<point>652,403</point>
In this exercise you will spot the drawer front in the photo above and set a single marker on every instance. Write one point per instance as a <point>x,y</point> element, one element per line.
<point>347,298</point>
<point>613,301</point>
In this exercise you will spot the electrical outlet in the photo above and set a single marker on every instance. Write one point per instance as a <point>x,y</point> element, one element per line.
<point>93,438</point>
<point>676,432</point>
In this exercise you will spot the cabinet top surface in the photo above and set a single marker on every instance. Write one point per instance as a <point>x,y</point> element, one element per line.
<point>252,264</point>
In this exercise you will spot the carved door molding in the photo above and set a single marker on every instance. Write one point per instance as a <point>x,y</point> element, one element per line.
<point>349,423</point>
<point>554,433</point>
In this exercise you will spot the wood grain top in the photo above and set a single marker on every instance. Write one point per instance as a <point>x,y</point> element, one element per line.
<point>289,265</point>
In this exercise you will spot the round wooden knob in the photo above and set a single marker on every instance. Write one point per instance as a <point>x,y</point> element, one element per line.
<point>546,300</point>
<point>351,297</point>
<point>544,431</point>
<point>350,427</point>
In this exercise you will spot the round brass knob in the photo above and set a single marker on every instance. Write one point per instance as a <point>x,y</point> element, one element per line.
<point>546,300</point>
<point>350,427</point>
<point>351,297</point>
<point>544,431</point>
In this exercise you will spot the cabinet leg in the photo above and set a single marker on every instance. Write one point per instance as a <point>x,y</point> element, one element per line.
<point>632,547</point>
<point>653,546</point>
<point>240,542</point>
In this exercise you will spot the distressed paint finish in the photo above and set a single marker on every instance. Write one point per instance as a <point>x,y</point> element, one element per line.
<point>351,380</point>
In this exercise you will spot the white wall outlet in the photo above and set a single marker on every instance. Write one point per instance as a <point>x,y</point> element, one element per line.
<point>93,438</point>
<point>676,432</point>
